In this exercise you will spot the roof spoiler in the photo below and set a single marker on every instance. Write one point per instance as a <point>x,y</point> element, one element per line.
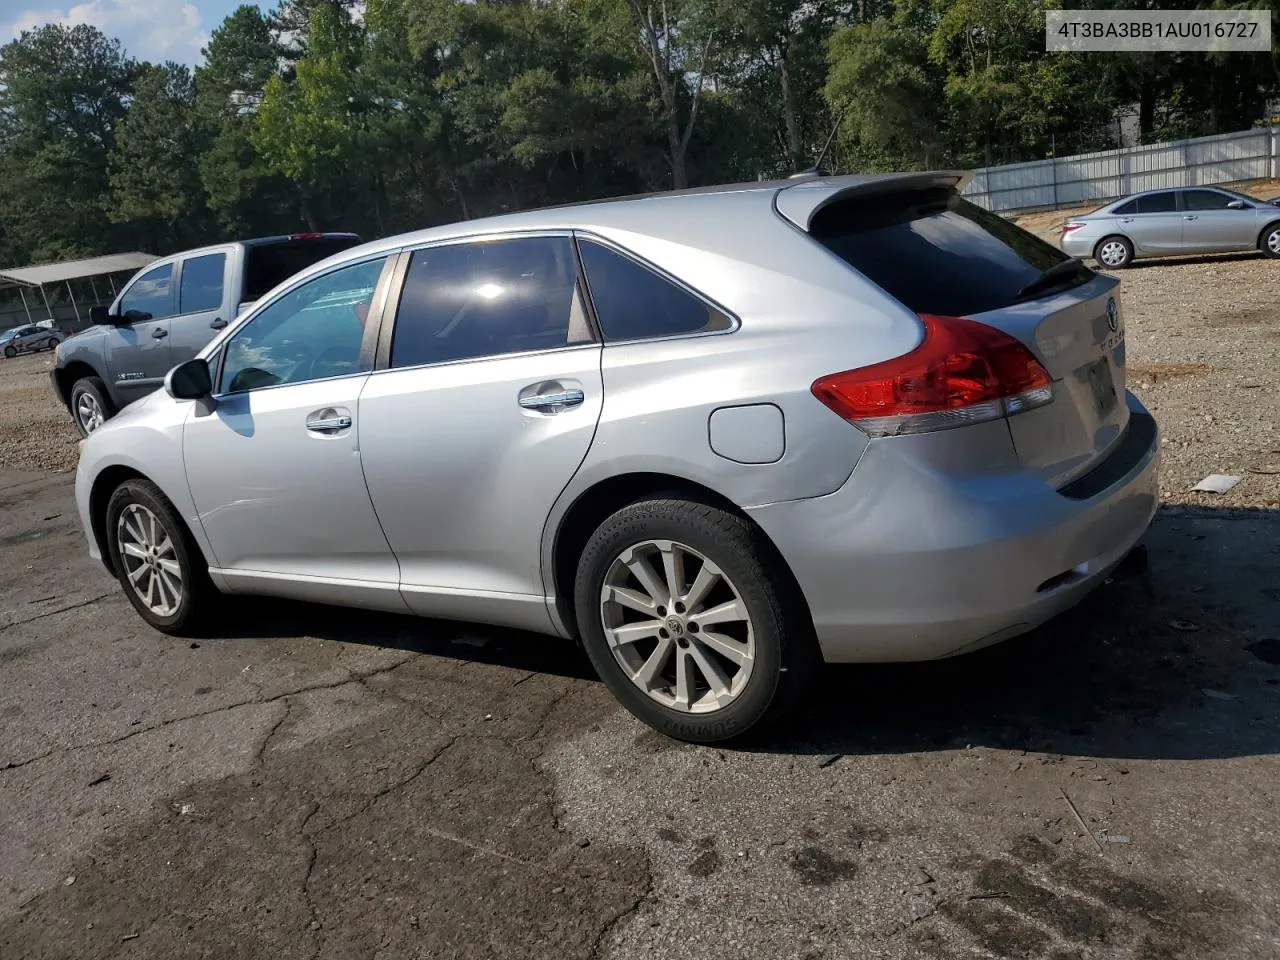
<point>800,202</point>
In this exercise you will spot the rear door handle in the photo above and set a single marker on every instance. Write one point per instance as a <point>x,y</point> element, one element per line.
<point>562,398</point>
<point>159,333</point>
<point>1126,219</point>
<point>326,424</point>
<point>1190,218</point>
<point>218,323</point>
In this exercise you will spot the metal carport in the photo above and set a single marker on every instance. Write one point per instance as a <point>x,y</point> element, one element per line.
<point>51,275</point>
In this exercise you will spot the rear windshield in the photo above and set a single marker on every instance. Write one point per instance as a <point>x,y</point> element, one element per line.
<point>936,252</point>
<point>269,264</point>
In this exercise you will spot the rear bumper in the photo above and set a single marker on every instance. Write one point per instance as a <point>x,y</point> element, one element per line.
<point>1077,246</point>
<point>910,561</point>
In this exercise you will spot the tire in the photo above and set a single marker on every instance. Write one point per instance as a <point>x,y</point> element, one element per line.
<point>10,352</point>
<point>172,556</point>
<point>52,343</point>
<point>1118,248</point>
<point>89,394</point>
<point>1269,242</point>
<point>776,633</point>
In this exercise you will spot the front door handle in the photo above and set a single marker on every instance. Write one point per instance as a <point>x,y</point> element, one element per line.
<point>159,333</point>
<point>1190,218</point>
<point>218,323</point>
<point>326,424</point>
<point>562,398</point>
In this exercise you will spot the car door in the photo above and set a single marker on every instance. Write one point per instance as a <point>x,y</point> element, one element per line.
<point>136,346</point>
<point>486,407</point>
<point>1153,223</point>
<point>1210,223</point>
<point>273,463</point>
<point>201,311</point>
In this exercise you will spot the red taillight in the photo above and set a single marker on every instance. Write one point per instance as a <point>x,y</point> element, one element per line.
<point>1068,227</point>
<point>963,372</point>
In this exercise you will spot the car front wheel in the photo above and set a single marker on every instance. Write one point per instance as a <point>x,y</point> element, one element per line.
<point>691,620</point>
<point>157,563</point>
<point>10,352</point>
<point>1270,244</point>
<point>90,406</point>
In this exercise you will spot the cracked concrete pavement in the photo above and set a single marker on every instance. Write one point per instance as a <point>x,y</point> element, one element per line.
<point>335,784</point>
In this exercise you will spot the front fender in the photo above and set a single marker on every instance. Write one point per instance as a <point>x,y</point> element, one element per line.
<point>145,441</point>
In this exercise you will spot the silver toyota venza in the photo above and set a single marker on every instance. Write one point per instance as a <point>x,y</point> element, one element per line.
<point>720,436</point>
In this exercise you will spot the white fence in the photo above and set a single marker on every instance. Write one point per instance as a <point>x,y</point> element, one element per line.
<point>1073,181</point>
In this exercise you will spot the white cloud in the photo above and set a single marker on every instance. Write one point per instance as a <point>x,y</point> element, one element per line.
<point>153,30</point>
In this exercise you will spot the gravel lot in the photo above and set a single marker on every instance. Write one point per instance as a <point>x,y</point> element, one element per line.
<point>327,784</point>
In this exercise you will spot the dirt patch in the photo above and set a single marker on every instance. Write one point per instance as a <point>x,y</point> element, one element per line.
<point>1149,373</point>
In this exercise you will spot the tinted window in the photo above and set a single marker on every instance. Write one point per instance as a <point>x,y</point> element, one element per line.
<point>484,299</point>
<point>270,264</point>
<point>313,331</point>
<point>1205,200</point>
<point>1126,208</point>
<point>936,252</point>
<point>201,285</point>
<point>1157,203</point>
<point>151,298</point>
<point>632,301</point>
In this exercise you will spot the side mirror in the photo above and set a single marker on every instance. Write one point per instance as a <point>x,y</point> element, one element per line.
<point>100,316</point>
<point>1236,205</point>
<point>189,381</point>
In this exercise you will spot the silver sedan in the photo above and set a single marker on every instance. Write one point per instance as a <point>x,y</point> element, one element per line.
<point>1169,223</point>
<point>28,339</point>
<point>717,436</point>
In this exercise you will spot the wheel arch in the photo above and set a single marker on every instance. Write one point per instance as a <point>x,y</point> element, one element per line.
<point>1267,228</point>
<point>65,377</point>
<point>606,497</point>
<point>1115,235</point>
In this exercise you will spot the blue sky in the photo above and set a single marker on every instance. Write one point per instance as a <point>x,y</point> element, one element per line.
<point>149,29</point>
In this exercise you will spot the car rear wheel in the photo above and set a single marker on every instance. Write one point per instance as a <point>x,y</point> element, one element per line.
<point>1270,242</point>
<point>156,561</point>
<point>691,620</point>
<point>52,343</point>
<point>90,407</point>
<point>10,352</point>
<point>1114,252</point>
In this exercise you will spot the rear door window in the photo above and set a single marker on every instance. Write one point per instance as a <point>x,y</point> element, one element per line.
<point>1166,202</point>
<point>1125,209</point>
<point>632,302</point>
<point>200,287</point>
<point>936,252</point>
<point>484,299</point>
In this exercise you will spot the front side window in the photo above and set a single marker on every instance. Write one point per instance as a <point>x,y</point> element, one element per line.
<point>1205,200</point>
<point>314,331</point>
<point>632,302</point>
<point>1157,202</point>
<point>489,298</point>
<point>201,284</point>
<point>151,298</point>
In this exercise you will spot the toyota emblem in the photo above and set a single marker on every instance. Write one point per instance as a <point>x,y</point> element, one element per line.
<point>1113,314</point>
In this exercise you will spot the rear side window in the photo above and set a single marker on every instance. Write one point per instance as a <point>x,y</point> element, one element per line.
<point>1166,202</point>
<point>1126,208</point>
<point>632,302</point>
<point>151,298</point>
<point>467,300</point>
<point>201,285</point>
<point>269,264</point>
<point>936,252</point>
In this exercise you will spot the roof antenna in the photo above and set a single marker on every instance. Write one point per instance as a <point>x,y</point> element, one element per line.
<point>817,164</point>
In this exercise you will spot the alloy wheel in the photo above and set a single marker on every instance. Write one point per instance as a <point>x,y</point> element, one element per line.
<point>677,626</point>
<point>1273,242</point>
<point>89,412</point>
<point>150,561</point>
